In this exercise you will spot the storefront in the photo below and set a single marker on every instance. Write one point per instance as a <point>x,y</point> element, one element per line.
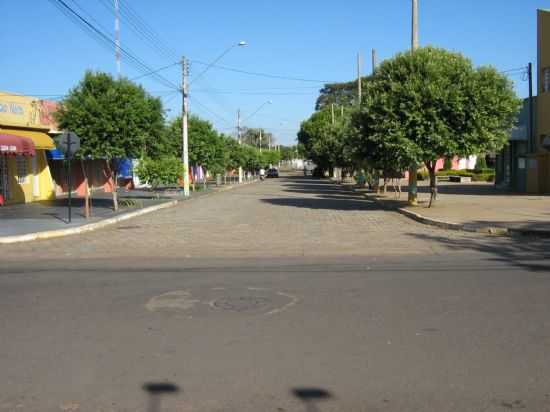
<point>24,126</point>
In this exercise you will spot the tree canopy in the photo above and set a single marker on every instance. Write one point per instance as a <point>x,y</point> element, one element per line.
<point>113,118</point>
<point>422,106</point>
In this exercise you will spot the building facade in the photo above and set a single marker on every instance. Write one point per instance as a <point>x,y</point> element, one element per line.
<point>24,174</point>
<point>511,165</point>
<point>538,173</point>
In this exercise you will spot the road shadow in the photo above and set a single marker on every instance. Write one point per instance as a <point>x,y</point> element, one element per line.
<point>467,189</point>
<point>527,253</point>
<point>311,396</point>
<point>324,203</point>
<point>156,390</point>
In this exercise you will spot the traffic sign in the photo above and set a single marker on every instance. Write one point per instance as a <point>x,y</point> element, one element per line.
<point>69,143</point>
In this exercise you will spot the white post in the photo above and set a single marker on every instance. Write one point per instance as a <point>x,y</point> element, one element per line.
<point>185,137</point>
<point>117,37</point>
<point>240,142</point>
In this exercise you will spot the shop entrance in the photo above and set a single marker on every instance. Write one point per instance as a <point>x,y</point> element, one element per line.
<point>4,178</point>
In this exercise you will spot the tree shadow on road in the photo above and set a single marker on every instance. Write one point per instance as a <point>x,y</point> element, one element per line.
<point>324,203</point>
<point>527,253</point>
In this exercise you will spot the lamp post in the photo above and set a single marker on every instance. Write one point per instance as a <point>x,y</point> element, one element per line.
<point>239,130</point>
<point>185,109</point>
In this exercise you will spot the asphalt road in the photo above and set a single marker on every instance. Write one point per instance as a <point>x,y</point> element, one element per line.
<point>286,295</point>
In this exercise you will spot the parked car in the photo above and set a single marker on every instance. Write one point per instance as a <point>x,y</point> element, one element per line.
<point>272,173</point>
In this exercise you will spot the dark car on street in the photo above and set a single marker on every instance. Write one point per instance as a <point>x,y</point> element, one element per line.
<point>272,173</point>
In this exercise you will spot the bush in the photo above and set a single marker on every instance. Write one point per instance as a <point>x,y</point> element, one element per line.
<point>163,171</point>
<point>484,177</point>
<point>464,173</point>
<point>422,175</point>
<point>481,163</point>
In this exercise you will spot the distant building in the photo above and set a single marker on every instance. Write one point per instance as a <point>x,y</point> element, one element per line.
<point>511,165</point>
<point>538,161</point>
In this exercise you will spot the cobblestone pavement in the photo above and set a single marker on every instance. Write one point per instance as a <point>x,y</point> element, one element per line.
<point>290,216</point>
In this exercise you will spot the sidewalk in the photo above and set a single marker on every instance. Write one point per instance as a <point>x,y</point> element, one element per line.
<point>38,217</point>
<point>474,207</point>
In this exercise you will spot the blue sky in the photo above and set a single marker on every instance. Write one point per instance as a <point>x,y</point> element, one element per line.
<point>44,53</point>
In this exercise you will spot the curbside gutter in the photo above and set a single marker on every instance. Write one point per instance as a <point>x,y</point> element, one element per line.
<point>465,227</point>
<point>50,234</point>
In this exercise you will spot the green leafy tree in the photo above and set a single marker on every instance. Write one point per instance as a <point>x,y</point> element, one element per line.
<point>251,136</point>
<point>206,145</point>
<point>339,94</point>
<point>162,171</point>
<point>432,103</point>
<point>325,142</point>
<point>114,119</point>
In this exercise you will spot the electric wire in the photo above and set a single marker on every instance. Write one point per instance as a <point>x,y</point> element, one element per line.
<point>97,34</point>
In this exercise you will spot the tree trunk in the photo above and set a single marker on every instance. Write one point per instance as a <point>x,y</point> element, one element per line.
<point>433,182</point>
<point>86,192</point>
<point>115,194</point>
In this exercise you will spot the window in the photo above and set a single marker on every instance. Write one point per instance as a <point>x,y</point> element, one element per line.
<point>546,79</point>
<point>21,165</point>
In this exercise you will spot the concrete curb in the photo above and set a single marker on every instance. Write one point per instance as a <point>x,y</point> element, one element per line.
<point>488,230</point>
<point>50,234</point>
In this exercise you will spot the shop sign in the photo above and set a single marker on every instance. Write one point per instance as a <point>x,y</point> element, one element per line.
<point>17,110</point>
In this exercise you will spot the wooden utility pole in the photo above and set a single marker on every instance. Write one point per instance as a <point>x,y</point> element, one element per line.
<point>373,60</point>
<point>413,189</point>
<point>332,112</point>
<point>359,92</point>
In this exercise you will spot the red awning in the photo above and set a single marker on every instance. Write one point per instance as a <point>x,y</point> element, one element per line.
<point>16,145</point>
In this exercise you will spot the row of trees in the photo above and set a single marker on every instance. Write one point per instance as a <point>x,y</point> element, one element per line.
<point>116,118</point>
<point>415,108</point>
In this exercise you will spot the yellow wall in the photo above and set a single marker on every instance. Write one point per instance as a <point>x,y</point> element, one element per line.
<point>538,175</point>
<point>26,111</point>
<point>23,193</point>
<point>543,100</point>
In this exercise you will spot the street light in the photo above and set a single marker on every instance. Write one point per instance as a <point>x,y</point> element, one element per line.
<point>185,110</point>
<point>239,130</point>
<point>242,43</point>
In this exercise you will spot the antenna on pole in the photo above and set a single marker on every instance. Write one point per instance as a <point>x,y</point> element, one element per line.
<point>117,37</point>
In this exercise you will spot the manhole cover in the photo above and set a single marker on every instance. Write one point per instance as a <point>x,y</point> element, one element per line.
<point>242,303</point>
<point>128,227</point>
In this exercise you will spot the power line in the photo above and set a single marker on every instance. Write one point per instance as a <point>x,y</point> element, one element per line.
<point>154,71</point>
<point>99,35</point>
<point>138,26</point>
<point>194,99</point>
<point>259,74</point>
<point>130,11</point>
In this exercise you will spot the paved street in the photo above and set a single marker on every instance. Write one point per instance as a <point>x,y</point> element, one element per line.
<point>286,295</point>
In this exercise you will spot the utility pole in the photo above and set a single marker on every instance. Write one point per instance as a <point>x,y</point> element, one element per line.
<point>342,111</point>
<point>332,111</point>
<point>373,60</point>
<point>413,189</point>
<point>414,34</point>
<point>260,140</point>
<point>185,137</point>
<point>240,142</point>
<point>117,37</point>
<point>359,91</point>
<point>531,146</point>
